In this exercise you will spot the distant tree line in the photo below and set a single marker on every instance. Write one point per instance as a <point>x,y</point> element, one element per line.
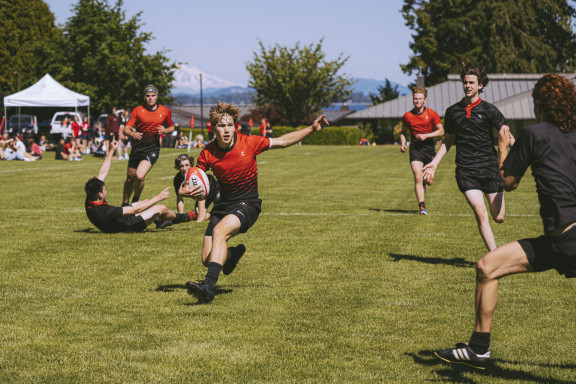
<point>98,52</point>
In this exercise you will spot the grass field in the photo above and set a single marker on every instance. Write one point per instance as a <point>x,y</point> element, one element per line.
<point>342,281</point>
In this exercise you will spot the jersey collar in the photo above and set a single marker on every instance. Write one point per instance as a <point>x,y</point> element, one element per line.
<point>469,107</point>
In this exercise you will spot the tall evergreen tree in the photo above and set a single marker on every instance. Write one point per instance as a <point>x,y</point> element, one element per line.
<point>25,27</point>
<point>513,36</point>
<point>103,56</point>
<point>298,80</point>
<point>385,93</point>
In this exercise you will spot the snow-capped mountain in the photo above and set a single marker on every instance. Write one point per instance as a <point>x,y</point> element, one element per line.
<point>187,81</point>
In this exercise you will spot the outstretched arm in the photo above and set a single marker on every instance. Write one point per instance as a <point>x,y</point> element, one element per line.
<point>296,136</point>
<point>145,204</point>
<point>429,170</point>
<point>107,160</point>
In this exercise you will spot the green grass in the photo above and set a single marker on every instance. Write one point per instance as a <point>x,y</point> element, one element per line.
<point>342,281</point>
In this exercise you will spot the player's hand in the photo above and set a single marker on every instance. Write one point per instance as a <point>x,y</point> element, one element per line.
<point>193,193</point>
<point>137,135</point>
<point>320,123</point>
<point>428,173</point>
<point>419,137</point>
<point>403,148</point>
<point>165,194</point>
<point>161,130</point>
<point>113,144</point>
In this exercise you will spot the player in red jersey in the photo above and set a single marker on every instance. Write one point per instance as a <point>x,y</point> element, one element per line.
<point>232,159</point>
<point>424,124</point>
<point>145,126</point>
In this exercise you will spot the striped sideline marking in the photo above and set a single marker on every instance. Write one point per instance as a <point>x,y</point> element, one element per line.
<point>287,214</point>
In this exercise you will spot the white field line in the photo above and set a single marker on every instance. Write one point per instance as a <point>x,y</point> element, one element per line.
<point>375,214</point>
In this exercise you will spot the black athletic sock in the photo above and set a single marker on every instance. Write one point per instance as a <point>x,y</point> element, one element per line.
<point>184,217</point>
<point>214,270</point>
<point>422,205</point>
<point>480,342</point>
<point>135,199</point>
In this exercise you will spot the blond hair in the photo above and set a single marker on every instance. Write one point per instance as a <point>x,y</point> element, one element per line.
<point>421,90</point>
<point>221,109</point>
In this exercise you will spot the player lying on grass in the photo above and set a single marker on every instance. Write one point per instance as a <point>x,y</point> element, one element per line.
<point>469,125</point>
<point>131,218</point>
<point>549,148</point>
<point>183,163</point>
<point>232,159</point>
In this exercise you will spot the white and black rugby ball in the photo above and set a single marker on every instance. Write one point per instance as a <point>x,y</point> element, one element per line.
<point>197,177</point>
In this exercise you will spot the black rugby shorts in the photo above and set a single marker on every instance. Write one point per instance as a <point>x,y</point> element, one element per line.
<point>552,252</point>
<point>485,179</point>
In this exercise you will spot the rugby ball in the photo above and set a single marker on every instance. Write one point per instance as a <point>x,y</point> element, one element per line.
<point>197,177</point>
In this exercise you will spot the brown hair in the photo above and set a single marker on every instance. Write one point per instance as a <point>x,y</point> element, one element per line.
<point>221,109</point>
<point>556,97</point>
<point>181,157</point>
<point>467,68</point>
<point>421,90</point>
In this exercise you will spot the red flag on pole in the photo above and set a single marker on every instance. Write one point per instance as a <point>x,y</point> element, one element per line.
<point>263,127</point>
<point>251,123</point>
<point>192,122</point>
<point>2,125</point>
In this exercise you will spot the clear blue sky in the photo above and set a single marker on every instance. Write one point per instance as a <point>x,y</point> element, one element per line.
<point>220,39</point>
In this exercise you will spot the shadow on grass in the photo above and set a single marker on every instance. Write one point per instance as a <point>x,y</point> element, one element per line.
<point>455,373</point>
<point>406,211</point>
<point>174,287</point>
<point>88,230</point>
<point>149,229</point>
<point>456,262</point>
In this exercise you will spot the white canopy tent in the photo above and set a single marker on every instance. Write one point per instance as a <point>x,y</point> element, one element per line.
<point>47,92</point>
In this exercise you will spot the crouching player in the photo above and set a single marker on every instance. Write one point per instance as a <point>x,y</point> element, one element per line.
<point>200,213</point>
<point>131,218</point>
<point>548,147</point>
<point>232,159</point>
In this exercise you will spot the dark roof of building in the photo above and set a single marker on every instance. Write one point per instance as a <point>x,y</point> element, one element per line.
<point>511,93</point>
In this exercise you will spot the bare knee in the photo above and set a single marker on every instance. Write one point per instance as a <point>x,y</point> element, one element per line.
<point>483,271</point>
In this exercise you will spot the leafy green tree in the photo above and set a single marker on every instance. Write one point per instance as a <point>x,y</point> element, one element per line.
<point>298,80</point>
<point>103,55</point>
<point>514,36</point>
<point>385,93</point>
<point>25,27</point>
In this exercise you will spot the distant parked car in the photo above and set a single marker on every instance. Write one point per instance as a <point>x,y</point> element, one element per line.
<point>56,123</point>
<point>24,125</point>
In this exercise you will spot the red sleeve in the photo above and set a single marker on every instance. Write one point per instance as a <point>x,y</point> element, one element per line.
<point>168,121</point>
<point>133,117</point>
<point>259,143</point>
<point>202,161</point>
<point>434,118</point>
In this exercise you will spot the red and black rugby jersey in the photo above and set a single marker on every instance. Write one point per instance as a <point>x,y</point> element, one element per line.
<point>422,123</point>
<point>106,218</point>
<point>147,122</point>
<point>236,170</point>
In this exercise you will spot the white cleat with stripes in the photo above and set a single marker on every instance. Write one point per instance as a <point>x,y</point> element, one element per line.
<point>462,354</point>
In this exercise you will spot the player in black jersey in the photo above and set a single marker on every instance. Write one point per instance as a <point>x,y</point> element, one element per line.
<point>132,218</point>
<point>548,148</point>
<point>200,213</point>
<point>469,125</point>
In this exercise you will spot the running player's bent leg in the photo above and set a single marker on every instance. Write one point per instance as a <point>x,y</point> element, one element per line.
<point>129,185</point>
<point>506,260</point>
<point>497,206</point>
<point>227,228</point>
<point>418,180</point>
<point>141,172</point>
<point>475,199</point>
